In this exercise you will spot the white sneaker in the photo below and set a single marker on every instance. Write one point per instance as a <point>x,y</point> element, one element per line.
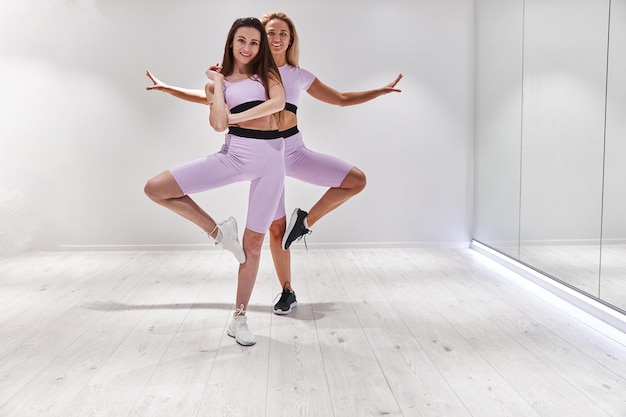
<point>238,329</point>
<point>227,238</point>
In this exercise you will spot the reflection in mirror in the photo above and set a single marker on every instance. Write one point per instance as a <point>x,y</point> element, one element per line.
<point>564,84</point>
<point>499,29</point>
<point>613,265</point>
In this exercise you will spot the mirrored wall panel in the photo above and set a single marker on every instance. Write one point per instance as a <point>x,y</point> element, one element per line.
<point>564,81</point>
<point>613,264</point>
<point>499,30</point>
<point>550,176</point>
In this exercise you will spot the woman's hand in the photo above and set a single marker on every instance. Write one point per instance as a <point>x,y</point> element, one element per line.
<point>214,72</point>
<point>156,83</point>
<point>229,119</point>
<point>392,85</point>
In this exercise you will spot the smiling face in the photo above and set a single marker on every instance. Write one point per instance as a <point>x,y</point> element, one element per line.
<point>278,35</point>
<point>246,44</point>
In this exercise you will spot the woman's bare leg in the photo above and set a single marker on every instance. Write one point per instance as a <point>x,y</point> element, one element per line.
<point>164,190</point>
<point>281,258</point>
<point>352,184</point>
<point>238,327</point>
<point>252,242</point>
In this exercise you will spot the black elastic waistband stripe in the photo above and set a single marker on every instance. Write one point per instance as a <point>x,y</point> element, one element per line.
<point>291,107</point>
<point>245,106</point>
<point>290,132</point>
<point>254,134</point>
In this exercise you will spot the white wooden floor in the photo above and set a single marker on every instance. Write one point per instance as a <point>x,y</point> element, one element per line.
<point>378,332</point>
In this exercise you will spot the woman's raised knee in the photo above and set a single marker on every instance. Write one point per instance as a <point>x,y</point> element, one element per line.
<point>150,189</point>
<point>356,180</point>
<point>162,187</point>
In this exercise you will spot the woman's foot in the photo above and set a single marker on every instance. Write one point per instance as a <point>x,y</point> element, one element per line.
<point>296,229</point>
<point>238,329</point>
<point>227,237</point>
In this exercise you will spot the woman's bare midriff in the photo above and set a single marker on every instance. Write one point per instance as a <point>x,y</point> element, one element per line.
<point>287,120</point>
<point>262,123</point>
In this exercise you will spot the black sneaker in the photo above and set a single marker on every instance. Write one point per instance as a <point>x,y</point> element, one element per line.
<point>296,229</point>
<point>286,303</point>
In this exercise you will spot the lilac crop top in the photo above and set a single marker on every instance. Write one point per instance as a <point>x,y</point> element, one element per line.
<point>295,80</point>
<point>245,94</point>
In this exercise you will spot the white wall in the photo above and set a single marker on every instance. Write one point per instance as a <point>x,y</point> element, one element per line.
<point>80,135</point>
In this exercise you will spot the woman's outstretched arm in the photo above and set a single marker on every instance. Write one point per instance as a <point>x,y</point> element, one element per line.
<point>329,95</point>
<point>194,96</point>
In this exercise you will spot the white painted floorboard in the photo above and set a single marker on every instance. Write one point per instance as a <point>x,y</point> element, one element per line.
<point>377,332</point>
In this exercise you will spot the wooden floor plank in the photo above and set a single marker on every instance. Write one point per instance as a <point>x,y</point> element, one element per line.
<point>569,347</point>
<point>356,381</point>
<point>415,381</point>
<point>237,384</point>
<point>479,386</point>
<point>177,385</point>
<point>481,324</point>
<point>397,332</point>
<point>102,329</point>
<point>122,378</point>
<point>53,283</point>
<point>46,347</point>
<point>296,379</point>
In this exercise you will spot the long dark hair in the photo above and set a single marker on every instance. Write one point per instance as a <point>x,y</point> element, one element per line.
<point>262,65</point>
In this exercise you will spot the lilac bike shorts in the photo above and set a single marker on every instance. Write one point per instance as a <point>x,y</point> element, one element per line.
<point>259,161</point>
<point>311,167</point>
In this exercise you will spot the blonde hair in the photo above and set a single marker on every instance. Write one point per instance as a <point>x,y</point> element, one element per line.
<point>293,50</point>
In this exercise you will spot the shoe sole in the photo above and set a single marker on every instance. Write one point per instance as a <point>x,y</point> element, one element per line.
<point>292,223</point>
<point>236,239</point>
<point>237,258</point>
<point>284,313</point>
<point>231,334</point>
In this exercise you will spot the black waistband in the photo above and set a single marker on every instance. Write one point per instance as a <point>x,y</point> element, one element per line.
<point>289,132</point>
<point>291,107</point>
<point>245,106</point>
<point>250,104</point>
<point>254,134</point>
